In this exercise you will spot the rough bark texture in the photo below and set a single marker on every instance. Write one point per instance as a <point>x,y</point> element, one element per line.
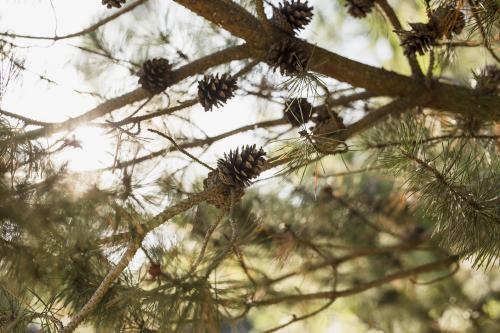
<point>445,97</point>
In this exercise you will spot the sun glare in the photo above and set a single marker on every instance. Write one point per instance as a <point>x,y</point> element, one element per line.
<point>95,151</point>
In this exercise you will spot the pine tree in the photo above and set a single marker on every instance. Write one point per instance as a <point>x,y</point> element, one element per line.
<point>362,190</point>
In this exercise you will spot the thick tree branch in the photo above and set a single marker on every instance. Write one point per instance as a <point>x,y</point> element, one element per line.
<point>340,136</point>
<point>229,16</point>
<point>240,23</point>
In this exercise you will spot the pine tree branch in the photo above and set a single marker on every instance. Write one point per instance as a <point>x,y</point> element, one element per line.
<point>158,113</point>
<point>26,120</point>
<point>343,100</point>
<point>396,24</point>
<point>372,118</point>
<point>231,17</point>
<point>259,8</point>
<point>182,150</point>
<point>360,288</point>
<point>241,23</point>
<point>134,244</point>
<point>85,31</point>
<point>105,285</point>
<point>433,139</point>
<point>204,245</point>
<point>356,253</point>
<point>300,318</point>
<point>442,179</point>
<point>232,53</point>
<point>197,143</point>
<point>167,214</point>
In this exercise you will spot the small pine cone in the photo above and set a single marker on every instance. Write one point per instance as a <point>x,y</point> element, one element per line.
<point>359,8</point>
<point>447,21</point>
<point>419,39</point>
<point>238,168</point>
<point>154,75</point>
<point>296,13</point>
<point>113,3</point>
<point>280,21</point>
<point>220,193</point>
<point>154,270</point>
<point>323,115</point>
<point>298,111</point>
<point>488,81</point>
<point>288,56</point>
<point>215,91</point>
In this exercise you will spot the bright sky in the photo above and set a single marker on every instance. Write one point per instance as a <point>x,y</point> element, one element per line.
<point>58,102</point>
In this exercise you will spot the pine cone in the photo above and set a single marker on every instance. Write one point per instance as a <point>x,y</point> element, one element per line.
<point>238,168</point>
<point>359,8</point>
<point>298,111</point>
<point>215,91</point>
<point>447,21</point>
<point>488,81</point>
<point>154,75</point>
<point>288,56</point>
<point>419,39</point>
<point>113,3</point>
<point>323,115</point>
<point>296,13</point>
<point>154,270</point>
<point>280,21</point>
<point>220,193</point>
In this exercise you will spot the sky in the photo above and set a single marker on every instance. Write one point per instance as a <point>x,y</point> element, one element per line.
<point>39,100</point>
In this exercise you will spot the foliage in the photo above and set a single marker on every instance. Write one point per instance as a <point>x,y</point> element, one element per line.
<point>381,211</point>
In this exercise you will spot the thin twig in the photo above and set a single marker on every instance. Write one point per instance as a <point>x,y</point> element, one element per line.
<point>85,31</point>
<point>359,288</point>
<point>208,235</point>
<point>482,31</point>
<point>300,318</point>
<point>182,150</point>
<point>393,18</point>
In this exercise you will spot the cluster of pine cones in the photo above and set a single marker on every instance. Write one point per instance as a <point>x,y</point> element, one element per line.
<point>156,75</point>
<point>445,21</point>
<point>113,3</point>
<point>288,55</point>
